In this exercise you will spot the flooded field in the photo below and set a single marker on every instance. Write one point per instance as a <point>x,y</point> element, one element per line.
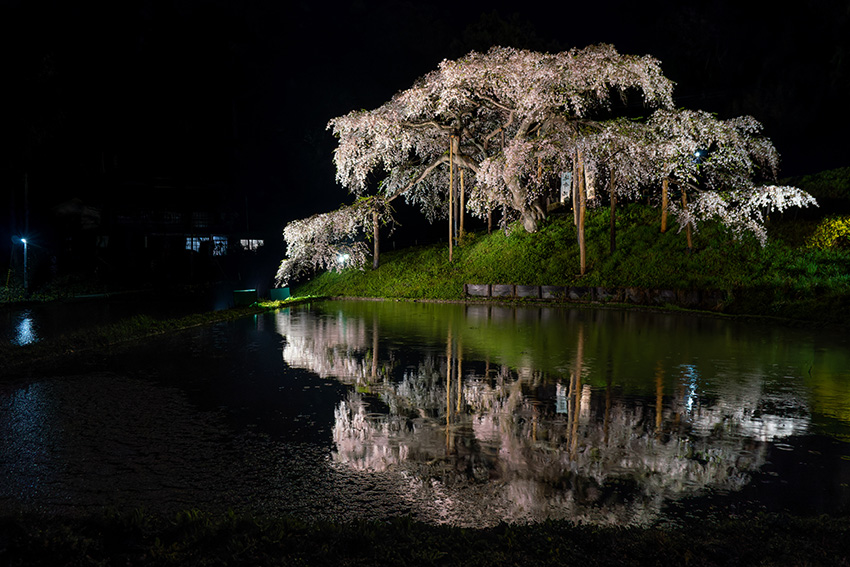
<point>461,414</point>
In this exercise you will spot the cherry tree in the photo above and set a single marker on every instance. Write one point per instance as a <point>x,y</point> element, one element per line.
<point>505,124</point>
<point>726,166</point>
<point>331,241</point>
<point>503,117</point>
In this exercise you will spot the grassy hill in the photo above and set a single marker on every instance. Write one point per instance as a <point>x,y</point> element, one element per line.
<point>802,273</point>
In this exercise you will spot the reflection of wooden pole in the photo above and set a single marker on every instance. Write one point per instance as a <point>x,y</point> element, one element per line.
<point>448,377</point>
<point>659,397</point>
<point>607,423</point>
<point>374,348</point>
<point>459,373</point>
<point>534,423</point>
<point>677,415</point>
<point>577,393</point>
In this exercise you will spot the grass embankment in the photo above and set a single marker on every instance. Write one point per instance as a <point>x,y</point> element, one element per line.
<point>194,538</point>
<point>802,273</point>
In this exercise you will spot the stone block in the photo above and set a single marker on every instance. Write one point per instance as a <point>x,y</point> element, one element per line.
<point>502,290</point>
<point>478,290</point>
<point>580,293</point>
<point>532,291</point>
<point>635,295</point>
<point>553,292</point>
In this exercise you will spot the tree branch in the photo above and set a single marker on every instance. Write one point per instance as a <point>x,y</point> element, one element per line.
<point>675,181</point>
<point>417,125</point>
<point>461,160</point>
<point>500,128</point>
<point>495,103</point>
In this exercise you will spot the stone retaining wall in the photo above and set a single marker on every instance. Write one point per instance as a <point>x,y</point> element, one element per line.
<point>710,300</point>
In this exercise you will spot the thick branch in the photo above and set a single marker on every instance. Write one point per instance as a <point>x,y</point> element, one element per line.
<point>461,160</point>
<point>675,181</point>
<point>500,128</point>
<point>433,123</point>
<point>496,103</point>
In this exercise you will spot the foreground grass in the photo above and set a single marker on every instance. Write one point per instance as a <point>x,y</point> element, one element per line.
<point>786,278</point>
<point>195,538</point>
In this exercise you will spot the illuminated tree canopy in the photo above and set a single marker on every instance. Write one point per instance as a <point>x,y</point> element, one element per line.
<point>328,240</point>
<point>502,111</point>
<point>514,120</point>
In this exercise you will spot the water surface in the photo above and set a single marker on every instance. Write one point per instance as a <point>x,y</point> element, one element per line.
<point>463,414</point>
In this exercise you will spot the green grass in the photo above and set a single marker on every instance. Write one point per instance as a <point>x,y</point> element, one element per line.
<point>196,538</point>
<point>787,278</point>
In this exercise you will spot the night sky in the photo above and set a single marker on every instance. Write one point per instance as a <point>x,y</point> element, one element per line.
<point>229,99</point>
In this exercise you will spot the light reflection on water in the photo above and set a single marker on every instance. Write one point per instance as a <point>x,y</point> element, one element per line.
<point>25,330</point>
<point>468,415</point>
<point>546,414</point>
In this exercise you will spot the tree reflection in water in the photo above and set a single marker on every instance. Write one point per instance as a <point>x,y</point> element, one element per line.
<point>545,428</point>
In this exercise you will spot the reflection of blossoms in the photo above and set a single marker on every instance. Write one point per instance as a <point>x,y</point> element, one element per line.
<point>513,444</point>
<point>367,444</point>
<point>564,465</point>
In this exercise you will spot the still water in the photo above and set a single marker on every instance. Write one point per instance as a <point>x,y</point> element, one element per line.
<point>31,323</point>
<point>461,414</point>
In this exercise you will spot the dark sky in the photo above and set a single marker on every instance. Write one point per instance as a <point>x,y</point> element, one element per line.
<point>233,96</point>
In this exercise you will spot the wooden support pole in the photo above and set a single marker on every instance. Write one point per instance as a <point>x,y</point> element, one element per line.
<point>462,204</point>
<point>665,187</point>
<point>613,197</point>
<point>451,196</point>
<point>582,209</point>
<point>574,189</point>
<point>377,243</point>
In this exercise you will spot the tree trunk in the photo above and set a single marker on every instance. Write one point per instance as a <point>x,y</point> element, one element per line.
<point>530,213</point>
<point>582,210</point>
<point>664,188</point>
<point>613,214</point>
<point>531,217</point>
<point>377,247</point>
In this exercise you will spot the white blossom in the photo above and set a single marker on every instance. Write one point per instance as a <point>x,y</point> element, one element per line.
<point>330,241</point>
